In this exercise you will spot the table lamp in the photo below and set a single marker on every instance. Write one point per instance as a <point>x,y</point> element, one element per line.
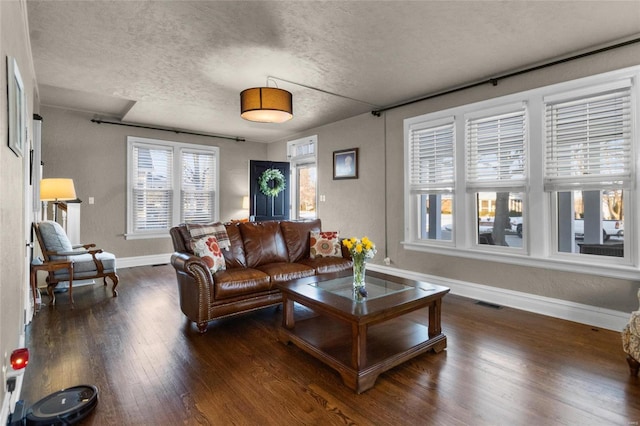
<point>57,190</point>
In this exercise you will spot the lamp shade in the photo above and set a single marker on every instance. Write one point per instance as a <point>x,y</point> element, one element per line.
<point>266,105</point>
<point>57,189</point>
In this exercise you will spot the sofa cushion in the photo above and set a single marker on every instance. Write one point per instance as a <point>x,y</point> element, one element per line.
<point>325,244</point>
<point>263,243</point>
<point>296,237</point>
<point>234,257</point>
<point>239,282</point>
<point>208,249</point>
<point>326,265</point>
<point>285,271</point>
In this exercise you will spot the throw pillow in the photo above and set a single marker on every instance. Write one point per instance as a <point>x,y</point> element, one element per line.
<point>215,229</point>
<point>325,244</point>
<point>208,250</point>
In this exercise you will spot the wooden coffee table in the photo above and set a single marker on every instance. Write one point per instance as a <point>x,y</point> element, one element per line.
<point>363,339</point>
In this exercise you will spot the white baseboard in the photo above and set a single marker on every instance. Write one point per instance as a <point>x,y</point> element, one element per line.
<point>557,308</point>
<point>156,259</point>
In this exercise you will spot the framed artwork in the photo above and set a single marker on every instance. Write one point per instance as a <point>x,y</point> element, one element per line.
<point>345,164</point>
<point>17,108</point>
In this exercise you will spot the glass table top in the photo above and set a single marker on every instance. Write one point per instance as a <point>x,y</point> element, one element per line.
<point>376,287</point>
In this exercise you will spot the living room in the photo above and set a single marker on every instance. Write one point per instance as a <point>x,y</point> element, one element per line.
<point>597,293</point>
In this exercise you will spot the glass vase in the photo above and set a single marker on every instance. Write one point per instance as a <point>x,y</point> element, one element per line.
<point>359,269</point>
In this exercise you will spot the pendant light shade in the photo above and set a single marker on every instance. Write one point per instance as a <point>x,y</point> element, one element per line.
<point>266,105</point>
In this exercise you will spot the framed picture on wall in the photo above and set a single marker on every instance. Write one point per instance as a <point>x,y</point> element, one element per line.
<point>345,164</point>
<point>17,108</point>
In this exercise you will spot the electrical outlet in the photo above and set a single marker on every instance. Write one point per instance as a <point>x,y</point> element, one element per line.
<point>91,200</point>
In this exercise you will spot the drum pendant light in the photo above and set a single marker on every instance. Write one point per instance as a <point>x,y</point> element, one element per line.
<point>266,105</point>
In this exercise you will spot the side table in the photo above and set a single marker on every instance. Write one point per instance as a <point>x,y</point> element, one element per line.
<point>51,267</point>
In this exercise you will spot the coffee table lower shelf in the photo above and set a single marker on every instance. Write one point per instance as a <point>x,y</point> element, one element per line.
<point>388,344</point>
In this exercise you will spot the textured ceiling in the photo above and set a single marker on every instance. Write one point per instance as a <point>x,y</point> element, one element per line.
<point>182,64</point>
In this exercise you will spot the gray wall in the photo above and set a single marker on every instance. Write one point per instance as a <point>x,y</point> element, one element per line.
<point>371,205</point>
<point>95,157</point>
<point>379,192</point>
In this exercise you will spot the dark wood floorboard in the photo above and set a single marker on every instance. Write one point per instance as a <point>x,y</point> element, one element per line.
<point>501,367</point>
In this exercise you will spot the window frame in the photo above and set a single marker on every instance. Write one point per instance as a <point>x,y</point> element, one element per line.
<point>413,222</point>
<point>539,249</point>
<point>177,148</point>
<point>297,161</point>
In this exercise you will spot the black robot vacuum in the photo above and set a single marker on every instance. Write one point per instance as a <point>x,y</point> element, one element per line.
<point>64,407</point>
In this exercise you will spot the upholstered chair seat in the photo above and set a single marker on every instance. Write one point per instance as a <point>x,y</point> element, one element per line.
<point>88,262</point>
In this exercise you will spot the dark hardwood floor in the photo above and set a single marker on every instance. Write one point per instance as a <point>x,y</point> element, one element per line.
<point>501,367</point>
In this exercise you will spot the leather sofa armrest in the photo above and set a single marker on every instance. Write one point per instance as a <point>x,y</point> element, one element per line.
<point>195,271</point>
<point>195,287</point>
<point>185,262</point>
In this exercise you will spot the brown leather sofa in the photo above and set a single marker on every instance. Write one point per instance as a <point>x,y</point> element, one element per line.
<point>261,254</point>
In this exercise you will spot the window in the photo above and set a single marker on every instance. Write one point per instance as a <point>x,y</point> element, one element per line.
<point>589,167</point>
<point>169,183</point>
<point>302,155</point>
<point>432,177</point>
<point>496,172</point>
<point>542,178</point>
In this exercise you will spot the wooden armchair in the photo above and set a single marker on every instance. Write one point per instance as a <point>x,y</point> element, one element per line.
<point>88,262</point>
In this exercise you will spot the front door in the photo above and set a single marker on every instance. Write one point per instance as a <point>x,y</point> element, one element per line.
<point>263,206</point>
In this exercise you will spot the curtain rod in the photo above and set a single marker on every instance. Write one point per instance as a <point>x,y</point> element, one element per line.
<point>140,126</point>
<point>494,80</point>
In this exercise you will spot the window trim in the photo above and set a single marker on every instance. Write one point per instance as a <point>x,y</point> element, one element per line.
<point>177,148</point>
<point>538,247</point>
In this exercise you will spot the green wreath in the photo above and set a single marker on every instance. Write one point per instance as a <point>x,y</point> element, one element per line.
<point>268,176</point>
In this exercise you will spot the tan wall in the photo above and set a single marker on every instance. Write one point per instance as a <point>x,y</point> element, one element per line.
<point>13,279</point>
<point>95,157</point>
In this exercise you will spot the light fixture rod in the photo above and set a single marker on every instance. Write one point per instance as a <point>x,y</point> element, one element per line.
<point>165,129</point>
<point>321,90</point>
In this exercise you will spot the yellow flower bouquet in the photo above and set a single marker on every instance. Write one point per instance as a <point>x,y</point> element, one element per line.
<point>360,250</point>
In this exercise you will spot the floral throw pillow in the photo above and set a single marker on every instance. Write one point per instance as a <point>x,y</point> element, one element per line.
<point>208,249</point>
<point>325,244</point>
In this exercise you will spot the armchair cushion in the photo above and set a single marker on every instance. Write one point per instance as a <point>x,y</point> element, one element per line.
<point>54,237</point>
<point>84,266</point>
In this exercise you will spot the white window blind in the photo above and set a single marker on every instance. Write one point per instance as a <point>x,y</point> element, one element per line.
<point>169,183</point>
<point>198,186</point>
<point>496,151</point>
<point>431,158</point>
<point>152,187</point>
<point>588,142</point>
